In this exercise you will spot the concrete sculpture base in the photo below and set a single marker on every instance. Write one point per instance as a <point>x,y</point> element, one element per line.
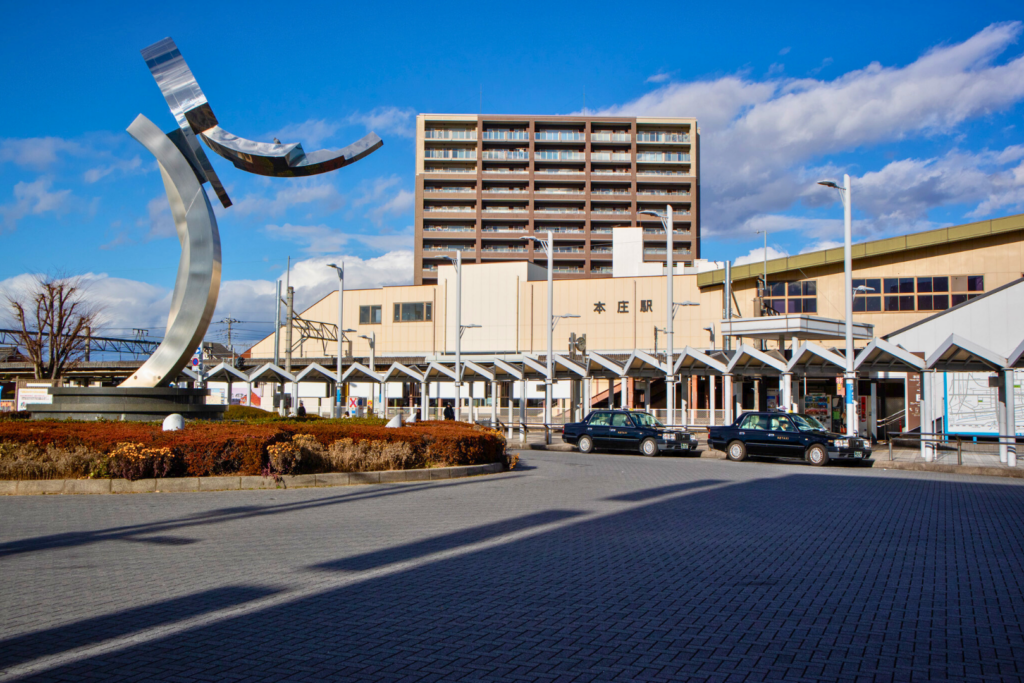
<point>126,403</point>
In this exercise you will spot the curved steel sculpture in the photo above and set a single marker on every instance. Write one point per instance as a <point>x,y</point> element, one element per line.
<point>198,282</point>
<point>195,117</point>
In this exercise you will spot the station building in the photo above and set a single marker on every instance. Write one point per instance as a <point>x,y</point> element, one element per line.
<point>911,278</point>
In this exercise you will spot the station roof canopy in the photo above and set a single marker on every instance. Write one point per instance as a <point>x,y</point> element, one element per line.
<point>642,364</point>
<point>803,327</point>
<point>694,362</point>
<point>188,375</point>
<point>438,371</point>
<point>811,359</point>
<point>957,354</point>
<point>506,372</point>
<point>314,372</point>
<point>533,368</point>
<point>474,370</point>
<point>227,373</point>
<point>573,368</point>
<point>599,366</point>
<point>357,372</point>
<point>750,361</point>
<point>1016,357</point>
<point>270,373</point>
<point>884,356</point>
<point>399,372</point>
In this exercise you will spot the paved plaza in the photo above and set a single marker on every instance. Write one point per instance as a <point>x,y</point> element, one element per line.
<point>570,568</point>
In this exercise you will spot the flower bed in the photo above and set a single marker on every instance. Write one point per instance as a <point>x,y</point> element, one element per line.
<point>131,450</point>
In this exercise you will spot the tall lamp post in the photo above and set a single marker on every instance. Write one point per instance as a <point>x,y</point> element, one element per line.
<point>372,338</point>
<point>336,405</point>
<point>764,291</point>
<point>844,193</point>
<point>548,245</point>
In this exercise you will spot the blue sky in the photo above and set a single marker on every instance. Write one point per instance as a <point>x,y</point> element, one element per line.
<point>923,108</point>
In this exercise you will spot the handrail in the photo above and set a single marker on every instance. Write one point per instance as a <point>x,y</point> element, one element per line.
<point>941,438</point>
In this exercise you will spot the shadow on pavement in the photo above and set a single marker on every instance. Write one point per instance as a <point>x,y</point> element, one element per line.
<point>51,641</point>
<point>647,494</point>
<point>798,577</point>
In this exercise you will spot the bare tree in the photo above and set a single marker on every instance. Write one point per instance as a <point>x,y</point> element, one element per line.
<point>55,320</point>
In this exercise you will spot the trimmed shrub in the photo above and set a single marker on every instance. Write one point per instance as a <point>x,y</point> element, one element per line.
<point>134,461</point>
<point>29,461</point>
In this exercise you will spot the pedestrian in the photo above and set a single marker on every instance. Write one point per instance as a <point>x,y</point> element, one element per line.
<point>302,410</point>
<point>449,412</point>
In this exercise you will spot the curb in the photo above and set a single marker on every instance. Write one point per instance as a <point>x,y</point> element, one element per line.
<point>1012,473</point>
<point>31,487</point>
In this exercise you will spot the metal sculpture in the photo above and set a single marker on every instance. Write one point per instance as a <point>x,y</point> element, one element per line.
<point>184,168</point>
<point>195,117</point>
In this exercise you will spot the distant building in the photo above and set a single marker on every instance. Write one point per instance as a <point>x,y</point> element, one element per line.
<point>484,182</point>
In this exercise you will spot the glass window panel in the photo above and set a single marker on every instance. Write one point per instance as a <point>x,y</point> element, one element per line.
<point>958,283</point>
<point>874,303</point>
<point>892,303</point>
<point>427,308</point>
<point>972,296</point>
<point>364,315</point>
<point>940,284</point>
<point>924,284</point>
<point>940,302</point>
<point>779,305</point>
<point>958,299</point>
<point>906,285</point>
<point>794,289</point>
<point>777,288</point>
<point>810,288</point>
<point>398,312</point>
<point>892,286</point>
<point>794,306</point>
<point>376,315</point>
<point>875,285</point>
<point>810,305</point>
<point>975,283</point>
<point>858,283</point>
<point>924,303</point>
<point>859,304</point>
<point>906,303</point>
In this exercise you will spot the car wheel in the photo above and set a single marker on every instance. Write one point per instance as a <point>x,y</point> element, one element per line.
<point>736,451</point>
<point>649,447</point>
<point>585,444</point>
<point>817,455</point>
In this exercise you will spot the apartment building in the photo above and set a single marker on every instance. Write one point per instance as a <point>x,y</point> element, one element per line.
<point>485,182</point>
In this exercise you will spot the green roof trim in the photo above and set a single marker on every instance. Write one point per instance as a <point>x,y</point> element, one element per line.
<point>956,233</point>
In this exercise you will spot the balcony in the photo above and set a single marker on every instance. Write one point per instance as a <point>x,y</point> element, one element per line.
<point>601,270</point>
<point>611,171</point>
<point>506,154</point>
<point>567,270</point>
<point>450,153</point>
<point>559,190</point>
<point>513,171</point>
<point>505,209</point>
<point>615,212</point>
<point>612,190</point>
<point>505,190</point>
<point>448,247</point>
<point>504,250</point>
<point>558,229</point>
<point>600,231</point>
<point>559,136</point>
<point>609,137</point>
<point>558,155</point>
<point>454,169</point>
<point>663,193</point>
<point>661,231</point>
<point>561,171</point>
<point>649,136</point>
<point>503,228</point>
<point>663,157</point>
<point>449,231</point>
<point>600,250</point>
<point>558,209</point>
<point>661,251</point>
<point>449,209</point>
<point>506,135</point>
<point>455,190</point>
<point>568,250</point>
<point>660,172</point>
<point>611,156</point>
<point>449,134</point>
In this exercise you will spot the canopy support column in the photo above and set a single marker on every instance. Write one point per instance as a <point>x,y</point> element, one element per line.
<point>611,392</point>
<point>647,395</point>
<point>494,403</point>
<point>786,390</point>
<point>873,412</point>
<point>728,399</point>
<point>711,400</point>
<point>522,410</point>
<point>1001,415</point>
<point>623,393</point>
<point>1011,418</point>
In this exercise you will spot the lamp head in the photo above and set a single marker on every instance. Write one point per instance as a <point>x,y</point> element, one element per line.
<point>570,315</point>
<point>331,265</point>
<point>650,212</point>
<point>829,183</point>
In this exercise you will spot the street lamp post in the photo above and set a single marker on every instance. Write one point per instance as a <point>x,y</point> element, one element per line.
<point>549,248</point>
<point>336,404</point>
<point>844,193</point>
<point>764,289</point>
<point>372,338</point>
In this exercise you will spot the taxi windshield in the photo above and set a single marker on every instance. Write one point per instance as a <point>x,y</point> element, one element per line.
<point>646,420</point>
<point>806,423</point>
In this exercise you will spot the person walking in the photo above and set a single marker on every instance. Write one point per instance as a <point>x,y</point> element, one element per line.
<point>449,412</point>
<point>302,410</point>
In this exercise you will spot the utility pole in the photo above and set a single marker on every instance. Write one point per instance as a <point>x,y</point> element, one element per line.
<point>290,293</point>
<point>277,328</point>
<point>229,321</point>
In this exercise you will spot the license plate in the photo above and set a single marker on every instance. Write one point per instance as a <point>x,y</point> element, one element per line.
<point>858,454</point>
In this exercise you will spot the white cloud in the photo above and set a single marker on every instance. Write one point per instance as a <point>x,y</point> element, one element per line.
<point>757,255</point>
<point>317,239</point>
<point>35,198</point>
<point>372,190</point>
<point>382,120</point>
<point>758,137</point>
<point>659,77</point>
<point>122,166</point>
<point>311,133</point>
<point>37,153</point>
<point>299,191</point>
<point>785,51</point>
<point>396,206</point>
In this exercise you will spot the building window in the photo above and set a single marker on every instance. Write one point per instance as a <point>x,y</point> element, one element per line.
<point>901,294</point>
<point>412,313</point>
<point>792,297</point>
<point>369,315</point>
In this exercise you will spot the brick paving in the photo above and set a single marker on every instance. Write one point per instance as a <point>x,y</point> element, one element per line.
<point>572,568</point>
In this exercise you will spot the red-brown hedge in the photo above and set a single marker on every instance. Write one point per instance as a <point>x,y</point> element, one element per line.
<point>203,449</point>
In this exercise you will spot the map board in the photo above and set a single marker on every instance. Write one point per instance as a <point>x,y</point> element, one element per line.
<point>970,403</point>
